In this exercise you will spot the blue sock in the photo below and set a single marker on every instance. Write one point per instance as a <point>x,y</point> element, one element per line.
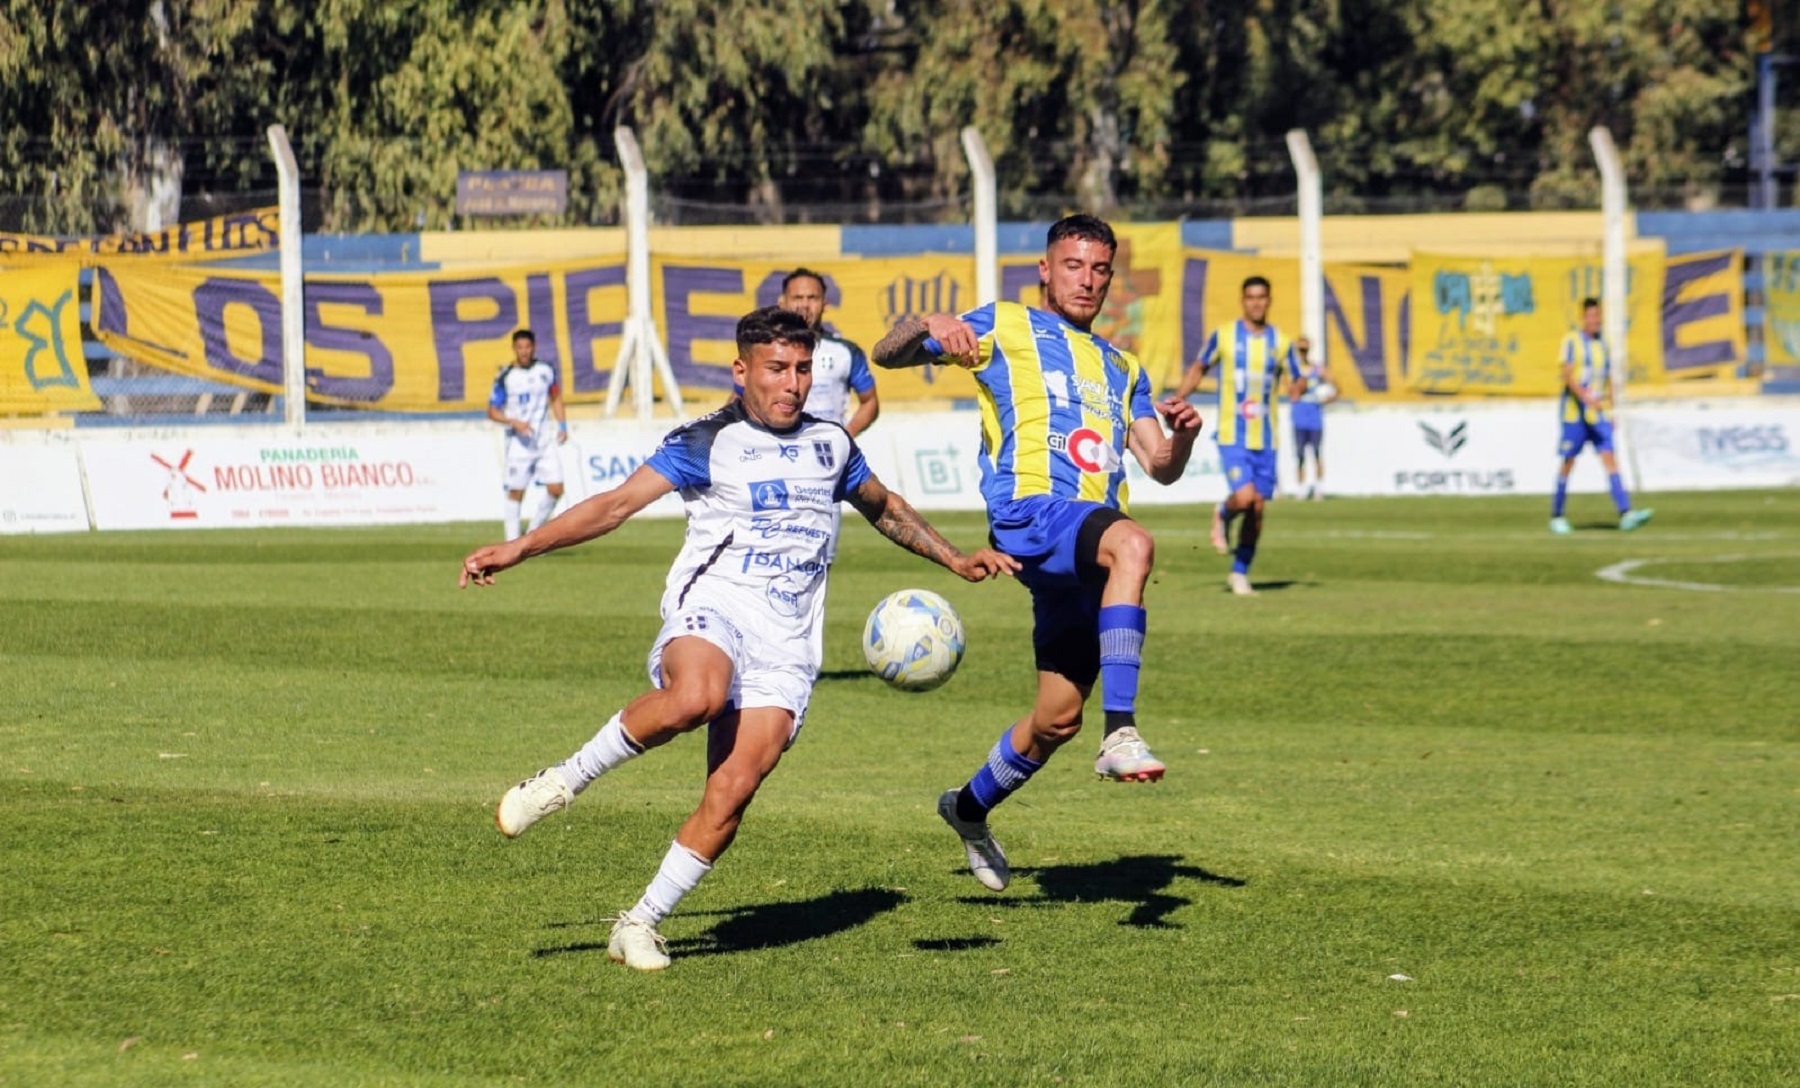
<point>1121,656</point>
<point>1241,557</point>
<point>1562,497</point>
<point>1004,772</point>
<point>1620,499</point>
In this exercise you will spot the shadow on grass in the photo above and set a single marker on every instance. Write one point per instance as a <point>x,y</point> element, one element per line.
<point>955,944</point>
<point>1141,881</point>
<point>768,925</point>
<point>1277,585</point>
<point>846,674</point>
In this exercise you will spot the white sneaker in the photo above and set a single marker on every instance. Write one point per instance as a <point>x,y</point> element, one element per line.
<point>1124,757</point>
<point>1240,584</point>
<point>986,860</point>
<point>532,800</point>
<point>636,944</point>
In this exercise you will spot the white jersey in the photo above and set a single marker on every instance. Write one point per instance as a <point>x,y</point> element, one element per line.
<point>838,367</point>
<point>759,507</point>
<point>524,392</point>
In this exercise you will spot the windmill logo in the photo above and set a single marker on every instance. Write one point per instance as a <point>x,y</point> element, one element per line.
<point>180,489</point>
<point>1446,442</point>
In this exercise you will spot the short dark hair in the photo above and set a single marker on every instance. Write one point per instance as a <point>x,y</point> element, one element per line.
<point>523,334</point>
<point>773,325</point>
<point>1589,304</point>
<point>1256,281</point>
<point>801,273</point>
<point>1086,227</point>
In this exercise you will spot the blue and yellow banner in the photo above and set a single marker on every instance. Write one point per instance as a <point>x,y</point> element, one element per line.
<point>407,342</point>
<point>41,365</point>
<point>234,235</point>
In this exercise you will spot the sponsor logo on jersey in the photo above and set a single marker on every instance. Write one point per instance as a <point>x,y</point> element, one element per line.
<point>768,495</point>
<point>1086,448</point>
<point>749,453</point>
<point>790,453</point>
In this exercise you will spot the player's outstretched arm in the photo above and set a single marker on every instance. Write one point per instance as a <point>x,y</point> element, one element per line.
<point>895,518</point>
<point>1164,457</point>
<point>592,517</point>
<point>906,343</point>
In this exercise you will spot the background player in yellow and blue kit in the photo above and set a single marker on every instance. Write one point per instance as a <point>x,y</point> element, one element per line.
<point>1586,418</point>
<point>1060,407</point>
<point>1252,358</point>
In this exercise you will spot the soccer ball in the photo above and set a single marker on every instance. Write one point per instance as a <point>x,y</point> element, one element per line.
<point>1324,392</point>
<point>913,640</point>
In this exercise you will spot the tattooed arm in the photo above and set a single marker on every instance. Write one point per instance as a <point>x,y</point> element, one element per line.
<point>895,518</point>
<point>905,346</point>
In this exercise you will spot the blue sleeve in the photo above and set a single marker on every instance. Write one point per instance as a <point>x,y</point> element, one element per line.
<point>685,457</point>
<point>856,472</point>
<point>1209,354</point>
<point>1141,404</point>
<point>980,319</point>
<point>497,399</point>
<point>860,379</point>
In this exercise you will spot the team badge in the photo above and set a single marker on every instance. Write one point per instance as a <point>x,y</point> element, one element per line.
<point>823,451</point>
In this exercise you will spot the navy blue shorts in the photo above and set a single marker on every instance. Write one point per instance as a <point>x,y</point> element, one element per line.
<point>1578,434</point>
<point>1255,467</point>
<point>1044,534</point>
<point>1307,438</point>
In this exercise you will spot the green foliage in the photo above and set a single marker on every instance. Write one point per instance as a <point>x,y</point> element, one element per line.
<point>1105,104</point>
<point>249,775</point>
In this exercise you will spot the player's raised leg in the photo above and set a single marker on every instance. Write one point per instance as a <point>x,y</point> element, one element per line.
<point>1127,553</point>
<point>696,678</point>
<point>742,749</point>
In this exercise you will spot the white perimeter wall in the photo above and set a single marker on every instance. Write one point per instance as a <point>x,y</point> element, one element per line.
<point>398,473</point>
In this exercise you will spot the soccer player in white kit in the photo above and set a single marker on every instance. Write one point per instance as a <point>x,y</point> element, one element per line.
<point>759,479</point>
<point>526,395</point>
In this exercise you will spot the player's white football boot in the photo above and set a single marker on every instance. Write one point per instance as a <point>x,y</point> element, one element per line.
<point>1634,518</point>
<point>532,800</point>
<point>986,860</point>
<point>1239,584</point>
<point>1124,757</point>
<point>637,945</point>
<point>1561,526</point>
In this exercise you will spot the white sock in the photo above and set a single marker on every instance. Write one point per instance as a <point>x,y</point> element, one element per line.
<point>509,518</point>
<point>609,748</point>
<point>544,510</point>
<point>681,870</point>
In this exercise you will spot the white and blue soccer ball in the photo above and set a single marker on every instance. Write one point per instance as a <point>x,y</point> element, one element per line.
<point>913,640</point>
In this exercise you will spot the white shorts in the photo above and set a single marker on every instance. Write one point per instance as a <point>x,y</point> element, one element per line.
<point>525,465</point>
<point>765,671</point>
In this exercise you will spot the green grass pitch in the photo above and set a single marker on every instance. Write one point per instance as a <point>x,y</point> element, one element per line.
<point>1443,807</point>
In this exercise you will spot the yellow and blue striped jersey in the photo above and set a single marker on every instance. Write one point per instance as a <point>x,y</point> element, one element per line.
<point>1251,367</point>
<point>1592,368</point>
<point>1057,404</point>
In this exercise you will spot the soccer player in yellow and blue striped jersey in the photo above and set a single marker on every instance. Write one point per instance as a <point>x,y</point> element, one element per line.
<point>1060,410</point>
<point>1253,359</point>
<point>1586,417</point>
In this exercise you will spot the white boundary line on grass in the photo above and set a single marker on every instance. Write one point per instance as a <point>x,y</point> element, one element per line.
<point>1623,574</point>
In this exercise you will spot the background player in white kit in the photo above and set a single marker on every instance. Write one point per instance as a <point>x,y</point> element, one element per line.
<point>526,395</point>
<point>759,481</point>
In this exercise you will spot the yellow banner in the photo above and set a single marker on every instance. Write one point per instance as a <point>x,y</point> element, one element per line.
<point>208,239</point>
<point>406,342</point>
<point>1781,309</point>
<point>1702,318</point>
<point>1493,326</point>
<point>41,364</point>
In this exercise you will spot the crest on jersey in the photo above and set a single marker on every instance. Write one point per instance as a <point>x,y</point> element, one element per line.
<point>768,495</point>
<point>823,451</point>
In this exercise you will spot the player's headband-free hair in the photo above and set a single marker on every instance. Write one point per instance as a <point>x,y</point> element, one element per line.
<point>1589,304</point>
<point>773,325</point>
<point>801,274</point>
<point>524,334</point>
<point>1087,228</point>
<point>1257,281</point>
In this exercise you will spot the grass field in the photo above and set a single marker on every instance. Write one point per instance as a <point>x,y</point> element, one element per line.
<point>1443,807</point>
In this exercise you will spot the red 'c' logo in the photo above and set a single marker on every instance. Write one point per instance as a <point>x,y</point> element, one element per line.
<point>1085,446</point>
